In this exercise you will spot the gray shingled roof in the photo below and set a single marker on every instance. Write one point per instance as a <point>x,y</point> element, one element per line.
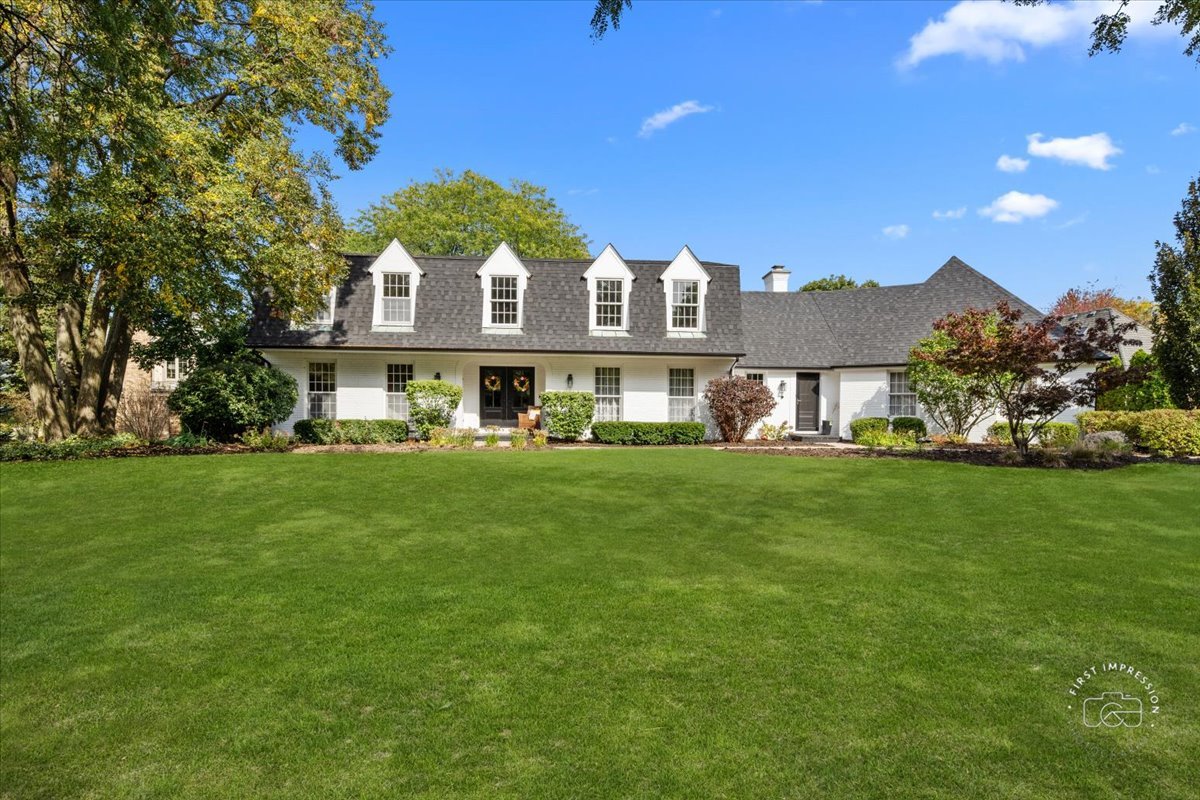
<point>449,307</point>
<point>861,327</point>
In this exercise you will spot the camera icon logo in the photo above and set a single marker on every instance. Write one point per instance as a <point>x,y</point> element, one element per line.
<point>1112,710</point>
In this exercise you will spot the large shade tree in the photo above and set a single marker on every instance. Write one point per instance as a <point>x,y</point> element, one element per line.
<point>1175,283</point>
<point>148,167</point>
<point>1081,299</point>
<point>469,214</point>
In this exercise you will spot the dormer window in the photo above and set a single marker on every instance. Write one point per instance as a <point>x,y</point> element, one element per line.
<point>609,282</point>
<point>505,301</point>
<point>397,299</point>
<point>395,278</point>
<point>685,284</point>
<point>685,305</point>
<point>610,304</point>
<point>503,279</point>
<point>324,317</point>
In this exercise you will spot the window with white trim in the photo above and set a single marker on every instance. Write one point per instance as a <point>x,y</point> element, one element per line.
<point>685,304</point>
<point>902,401</point>
<point>322,390</point>
<point>324,316</point>
<point>757,377</point>
<point>610,303</point>
<point>505,303</point>
<point>681,395</point>
<point>398,376</point>
<point>608,394</point>
<point>396,305</point>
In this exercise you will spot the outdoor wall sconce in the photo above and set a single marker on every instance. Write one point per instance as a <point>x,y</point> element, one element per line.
<point>782,388</point>
<point>437,376</point>
<point>570,380</point>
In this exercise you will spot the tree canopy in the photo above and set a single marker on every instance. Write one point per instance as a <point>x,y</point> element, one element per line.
<point>1175,283</point>
<point>468,214</point>
<point>148,167</point>
<point>1092,298</point>
<point>833,283</point>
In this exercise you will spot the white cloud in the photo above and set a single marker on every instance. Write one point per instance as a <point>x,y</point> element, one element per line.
<point>1018,207</point>
<point>996,32</point>
<point>1183,128</point>
<point>656,122</point>
<point>895,231</point>
<point>1090,151</point>
<point>1012,164</point>
<point>953,213</point>
<point>582,192</point>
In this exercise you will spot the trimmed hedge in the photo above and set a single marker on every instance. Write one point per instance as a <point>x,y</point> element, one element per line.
<point>351,431</point>
<point>914,425</point>
<point>648,432</point>
<point>1058,434</point>
<point>867,425</point>
<point>568,414</point>
<point>999,433</point>
<point>431,404</point>
<point>1163,431</point>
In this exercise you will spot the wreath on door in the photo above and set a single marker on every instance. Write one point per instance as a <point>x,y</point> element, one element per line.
<point>521,383</point>
<point>492,383</point>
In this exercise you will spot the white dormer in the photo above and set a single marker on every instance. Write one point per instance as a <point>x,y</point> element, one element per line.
<point>503,278</point>
<point>609,282</point>
<point>323,318</point>
<point>685,285</point>
<point>395,277</point>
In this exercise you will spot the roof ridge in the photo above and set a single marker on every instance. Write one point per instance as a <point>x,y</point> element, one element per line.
<point>958,263</point>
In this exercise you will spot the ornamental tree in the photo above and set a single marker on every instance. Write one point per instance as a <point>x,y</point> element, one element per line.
<point>1024,367</point>
<point>1175,283</point>
<point>737,404</point>
<point>149,167</point>
<point>956,402</point>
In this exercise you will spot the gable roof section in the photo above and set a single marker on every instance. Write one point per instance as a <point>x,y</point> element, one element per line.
<point>861,327</point>
<point>556,311</point>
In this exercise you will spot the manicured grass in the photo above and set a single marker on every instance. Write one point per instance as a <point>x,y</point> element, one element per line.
<point>616,623</point>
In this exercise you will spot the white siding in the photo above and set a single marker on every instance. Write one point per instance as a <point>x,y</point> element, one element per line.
<point>785,406</point>
<point>864,393</point>
<point>361,378</point>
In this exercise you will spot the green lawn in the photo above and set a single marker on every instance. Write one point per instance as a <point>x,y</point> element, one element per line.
<point>616,623</point>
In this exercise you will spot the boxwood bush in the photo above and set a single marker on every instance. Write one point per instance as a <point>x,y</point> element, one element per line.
<point>864,425</point>
<point>1058,434</point>
<point>351,431</point>
<point>998,432</point>
<point>913,425</point>
<point>431,405</point>
<point>568,414</point>
<point>648,432</point>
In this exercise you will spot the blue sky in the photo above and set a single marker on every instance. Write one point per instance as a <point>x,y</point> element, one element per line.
<point>823,136</point>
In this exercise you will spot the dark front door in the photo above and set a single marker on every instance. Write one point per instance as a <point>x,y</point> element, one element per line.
<point>503,393</point>
<point>808,407</point>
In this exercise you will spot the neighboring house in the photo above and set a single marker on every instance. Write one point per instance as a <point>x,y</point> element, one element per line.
<point>643,336</point>
<point>157,382</point>
<point>1139,337</point>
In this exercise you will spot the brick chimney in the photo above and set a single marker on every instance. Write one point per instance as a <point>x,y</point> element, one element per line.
<point>777,279</point>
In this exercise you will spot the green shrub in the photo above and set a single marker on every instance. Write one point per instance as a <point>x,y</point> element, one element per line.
<point>452,437</point>
<point>1058,434</point>
<point>267,440</point>
<point>906,440</point>
<point>492,439</point>
<point>913,425</point>
<point>186,440</point>
<point>1163,431</point>
<point>567,414</point>
<point>774,433</point>
<point>864,425</point>
<point>998,432</point>
<point>68,449</point>
<point>539,439</point>
<point>519,439</point>
<point>221,401</point>
<point>641,433</point>
<point>351,431</point>
<point>431,405</point>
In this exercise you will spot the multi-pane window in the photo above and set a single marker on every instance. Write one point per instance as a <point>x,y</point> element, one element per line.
<point>505,309</point>
<point>685,304</point>
<point>324,317</point>
<point>902,401</point>
<point>398,376</point>
<point>610,304</point>
<point>171,369</point>
<point>322,390</point>
<point>608,394</point>
<point>757,377</point>
<point>397,299</point>
<point>681,395</point>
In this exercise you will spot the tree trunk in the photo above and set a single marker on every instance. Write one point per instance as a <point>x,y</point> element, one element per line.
<point>68,348</point>
<point>92,376</point>
<point>116,357</point>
